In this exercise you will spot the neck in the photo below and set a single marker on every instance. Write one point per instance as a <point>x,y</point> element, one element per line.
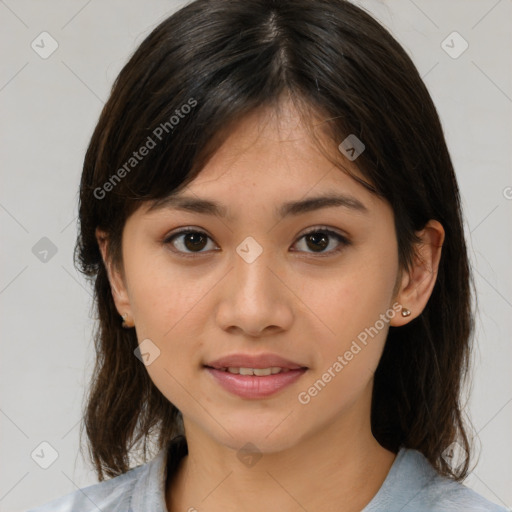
<point>329,470</point>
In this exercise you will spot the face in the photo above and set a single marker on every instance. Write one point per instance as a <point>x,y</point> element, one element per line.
<point>313,286</point>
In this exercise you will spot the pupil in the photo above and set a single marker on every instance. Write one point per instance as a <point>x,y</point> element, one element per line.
<point>319,238</point>
<point>195,239</point>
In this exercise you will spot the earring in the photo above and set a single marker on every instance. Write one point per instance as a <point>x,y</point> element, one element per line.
<point>405,311</point>
<point>125,323</point>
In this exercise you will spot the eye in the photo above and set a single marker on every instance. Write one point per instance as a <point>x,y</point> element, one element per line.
<point>319,239</point>
<point>189,241</point>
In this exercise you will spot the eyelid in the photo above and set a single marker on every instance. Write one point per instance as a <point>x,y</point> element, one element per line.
<point>344,241</point>
<point>328,229</point>
<point>343,238</point>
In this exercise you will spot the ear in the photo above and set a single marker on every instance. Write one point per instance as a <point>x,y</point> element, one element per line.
<point>418,282</point>
<point>115,277</point>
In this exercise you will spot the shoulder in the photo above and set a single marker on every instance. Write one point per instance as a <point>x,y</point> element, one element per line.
<point>112,495</point>
<point>138,490</point>
<point>445,495</point>
<point>109,495</point>
<point>442,493</point>
<point>413,485</point>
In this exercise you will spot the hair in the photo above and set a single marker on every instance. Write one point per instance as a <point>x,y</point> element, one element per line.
<point>194,76</point>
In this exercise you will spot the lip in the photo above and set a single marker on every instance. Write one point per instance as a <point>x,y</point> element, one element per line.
<point>252,386</point>
<point>254,361</point>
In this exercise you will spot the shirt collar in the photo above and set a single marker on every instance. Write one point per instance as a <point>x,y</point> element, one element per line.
<point>150,487</point>
<point>410,473</point>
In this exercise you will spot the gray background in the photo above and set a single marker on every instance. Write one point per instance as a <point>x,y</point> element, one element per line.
<point>49,109</point>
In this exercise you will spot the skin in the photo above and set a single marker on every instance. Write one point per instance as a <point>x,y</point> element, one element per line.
<point>297,303</point>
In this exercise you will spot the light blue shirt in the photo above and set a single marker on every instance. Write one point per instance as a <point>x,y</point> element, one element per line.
<point>412,485</point>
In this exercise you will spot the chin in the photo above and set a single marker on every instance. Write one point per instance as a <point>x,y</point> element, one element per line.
<point>266,438</point>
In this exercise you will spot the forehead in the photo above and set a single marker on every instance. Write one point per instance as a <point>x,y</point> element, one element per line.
<point>269,157</point>
<point>270,167</point>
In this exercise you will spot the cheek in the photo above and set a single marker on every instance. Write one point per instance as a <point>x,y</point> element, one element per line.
<point>166,302</point>
<point>354,295</point>
<point>355,305</point>
<point>171,306</point>
<point>349,355</point>
<point>164,295</point>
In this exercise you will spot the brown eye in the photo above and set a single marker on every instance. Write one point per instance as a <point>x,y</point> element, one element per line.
<point>188,241</point>
<point>194,241</point>
<point>319,239</point>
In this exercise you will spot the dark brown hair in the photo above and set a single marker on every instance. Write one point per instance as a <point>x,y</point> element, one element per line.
<point>198,72</point>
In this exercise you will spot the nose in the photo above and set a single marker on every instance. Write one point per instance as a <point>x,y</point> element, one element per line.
<point>255,299</point>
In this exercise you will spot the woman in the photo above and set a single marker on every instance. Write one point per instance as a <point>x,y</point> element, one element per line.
<point>271,219</point>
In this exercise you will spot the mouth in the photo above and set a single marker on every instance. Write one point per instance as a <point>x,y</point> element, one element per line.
<point>251,364</point>
<point>259,372</point>
<point>254,376</point>
<point>254,383</point>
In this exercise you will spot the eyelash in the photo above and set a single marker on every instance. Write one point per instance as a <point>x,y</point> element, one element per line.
<point>344,242</point>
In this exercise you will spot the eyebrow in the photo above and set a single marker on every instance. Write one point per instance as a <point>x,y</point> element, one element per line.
<point>294,208</point>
